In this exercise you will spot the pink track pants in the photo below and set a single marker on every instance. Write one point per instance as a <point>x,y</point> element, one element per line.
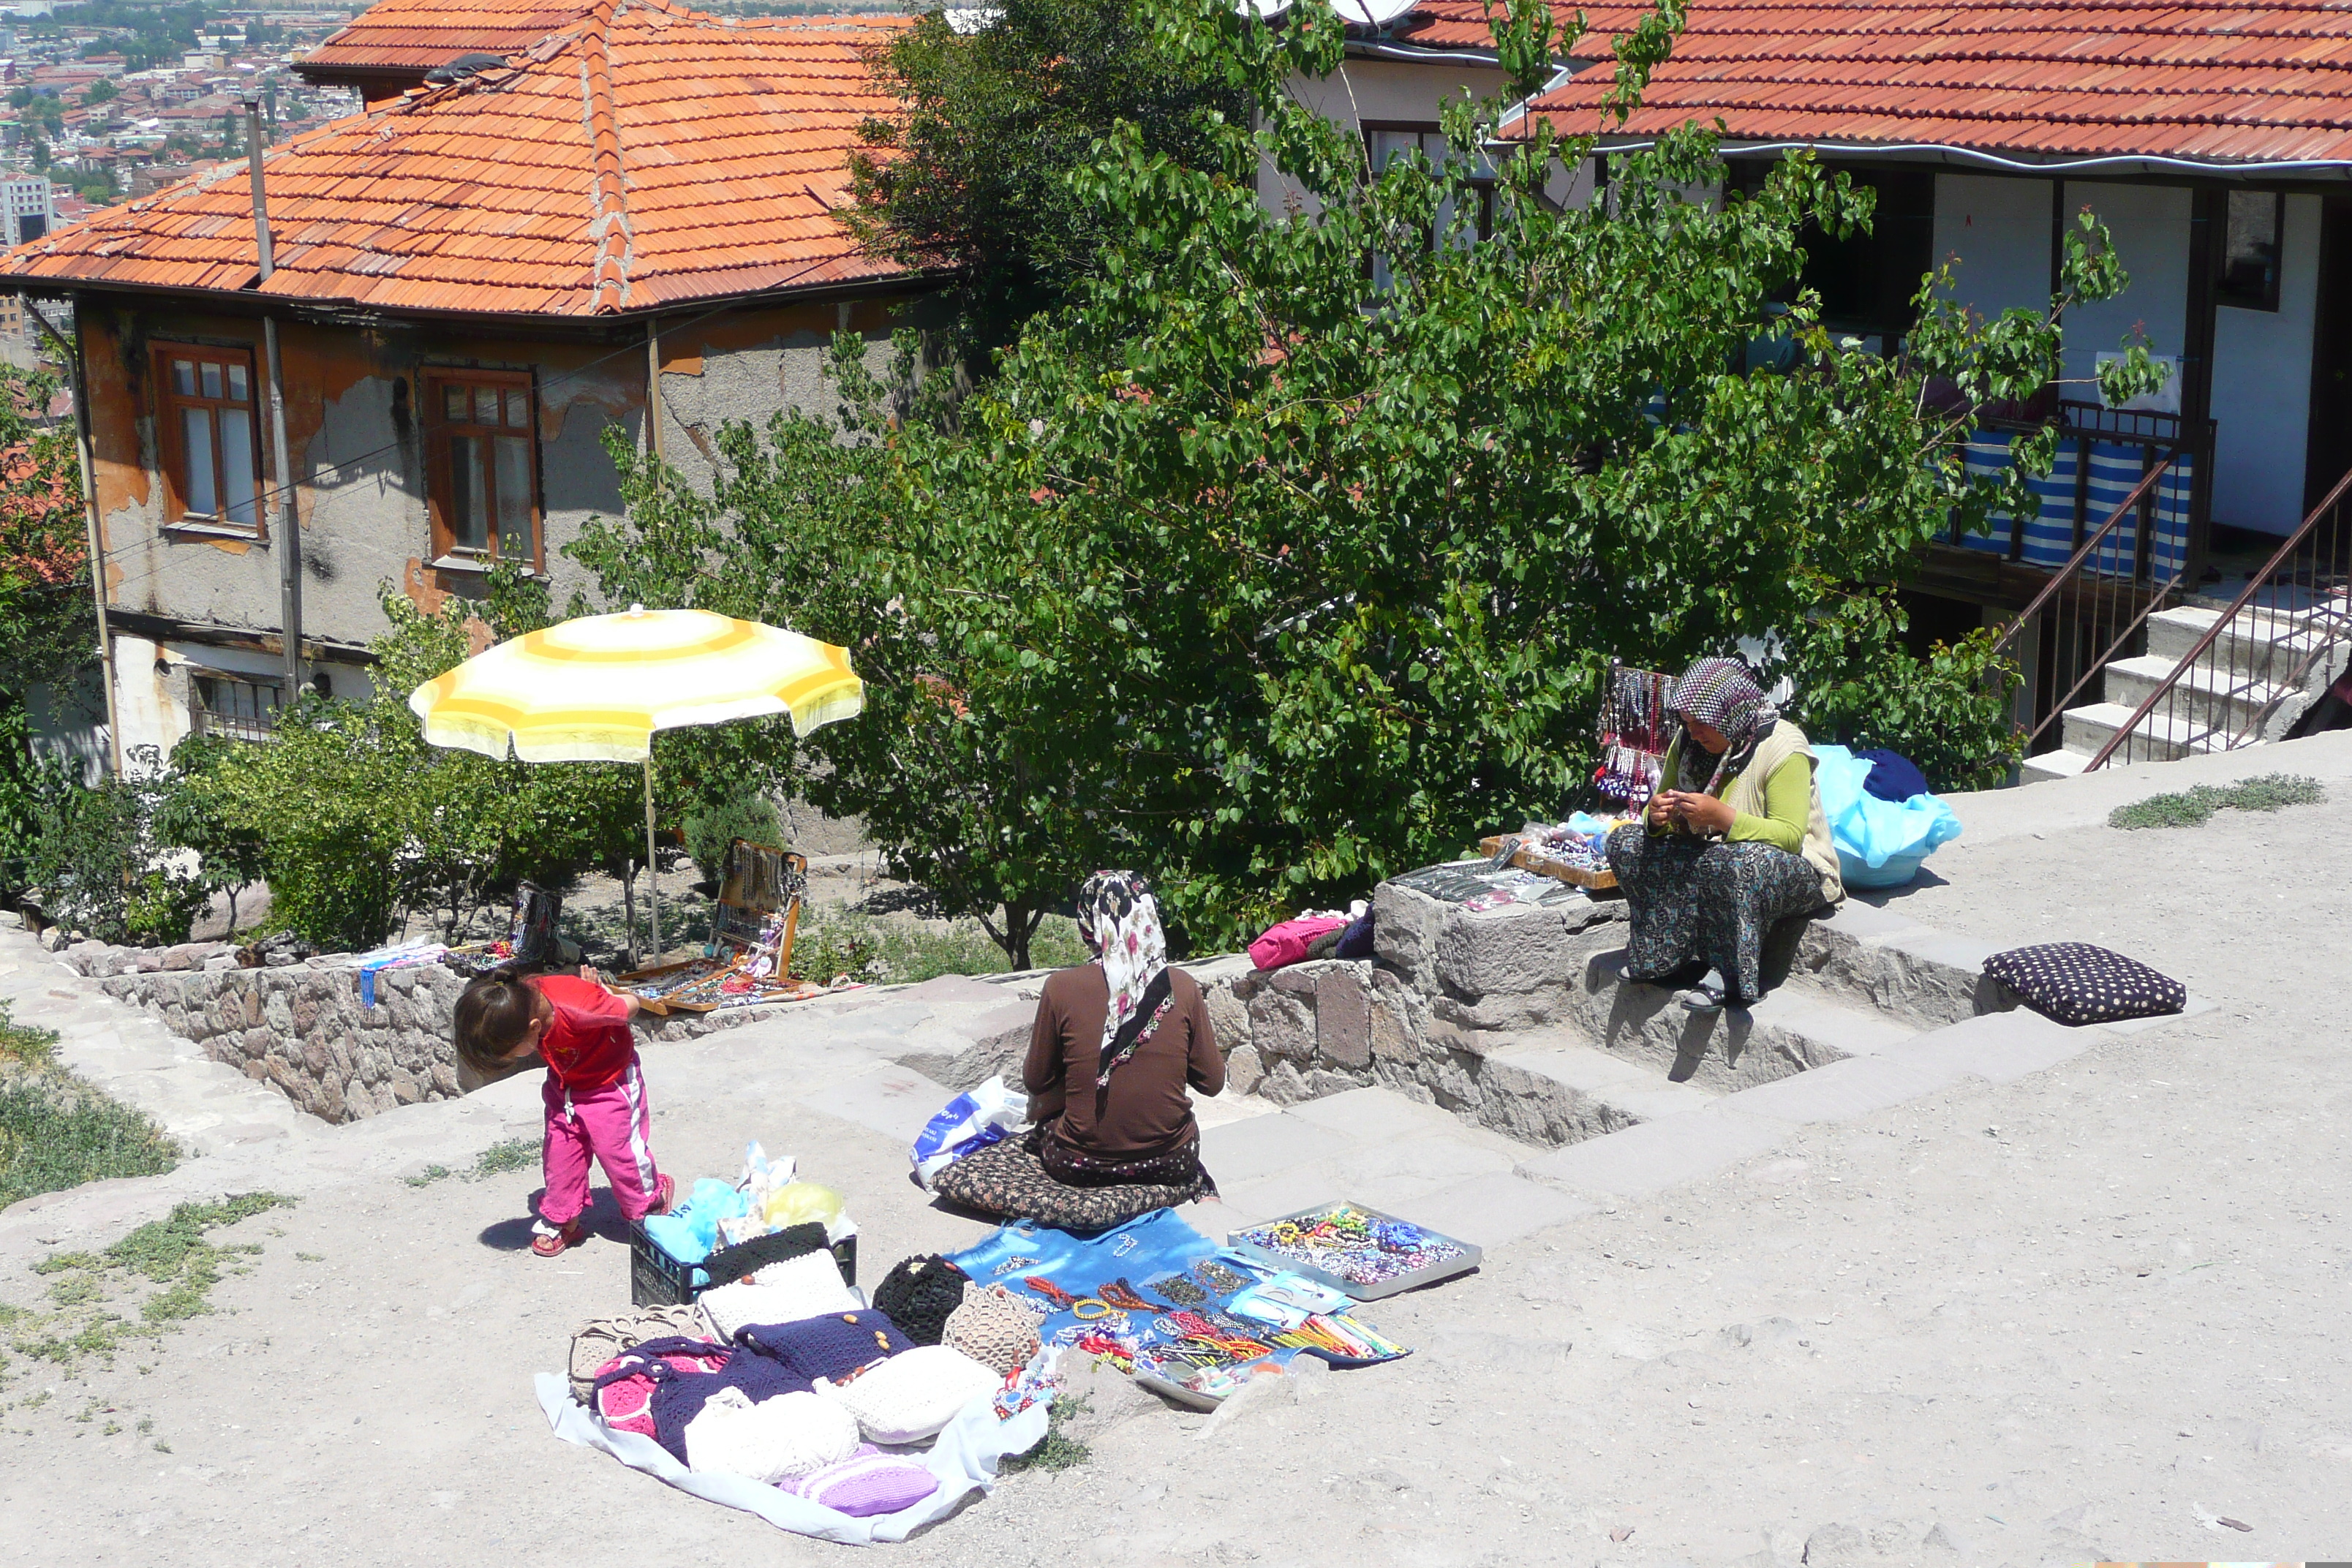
<point>614,1123</point>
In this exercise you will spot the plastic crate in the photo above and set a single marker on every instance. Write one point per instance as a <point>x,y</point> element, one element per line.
<point>657,1279</point>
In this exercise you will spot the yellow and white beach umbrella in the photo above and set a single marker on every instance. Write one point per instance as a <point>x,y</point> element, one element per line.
<point>596,688</point>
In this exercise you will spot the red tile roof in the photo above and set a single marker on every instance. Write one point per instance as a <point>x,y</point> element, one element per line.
<point>409,37</point>
<point>2195,80</point>
<point>1461,25</point>
<point>647,156</point>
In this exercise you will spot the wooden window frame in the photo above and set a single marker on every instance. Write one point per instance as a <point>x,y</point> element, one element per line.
<point>204,719</point>
<point>1483,228</point>
<point>440,480</point>
<point>171,444</point>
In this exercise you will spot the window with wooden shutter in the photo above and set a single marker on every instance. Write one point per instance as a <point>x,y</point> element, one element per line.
<point>208,437</point>
<point>482,464</point>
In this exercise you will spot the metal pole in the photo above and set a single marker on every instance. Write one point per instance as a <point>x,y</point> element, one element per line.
<point>288,526</point>
<point>86,454</point>
<point>652,866</point>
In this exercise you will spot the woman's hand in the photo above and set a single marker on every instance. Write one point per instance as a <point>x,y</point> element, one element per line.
<point>1665,806</point>
<point>1705,814</point>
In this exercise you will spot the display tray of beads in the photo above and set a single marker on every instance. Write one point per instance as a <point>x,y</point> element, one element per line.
<point>1359,1250</point>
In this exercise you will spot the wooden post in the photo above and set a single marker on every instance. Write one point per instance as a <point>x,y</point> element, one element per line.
<point>287,527</point>
<point>2209,238</point>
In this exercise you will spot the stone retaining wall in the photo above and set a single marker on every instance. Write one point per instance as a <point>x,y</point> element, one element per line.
<point>301,1026</point>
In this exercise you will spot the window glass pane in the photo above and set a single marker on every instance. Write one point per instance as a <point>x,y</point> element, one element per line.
<point>236,465</point>
<point>212,379</point>
<point>517,410</point>
<point>197,446</point>
<point>183,377</point>
<point>237,387</point>
<point>453,402</point>
<point>514,497</point>
<point>2250,270</point>
<point>486,406</point>
<point>468,509</point>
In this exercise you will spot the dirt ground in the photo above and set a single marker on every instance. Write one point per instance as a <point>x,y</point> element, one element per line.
<point>2092,1314</point>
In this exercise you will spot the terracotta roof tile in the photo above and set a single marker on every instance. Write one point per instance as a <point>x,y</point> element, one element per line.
<point>1461,25</point>
<point>412,37</point>
<point>652,157</point>
<point>2191,79</point>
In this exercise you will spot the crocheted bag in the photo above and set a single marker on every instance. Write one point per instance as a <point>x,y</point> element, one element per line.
<point>2076,982</point>
<point>599,1340</point>
<point>834,1346</point>
<point>866,1483</point>
<point>909,1397</point>
<point>993,1328</point>
<point>805,1287</point>
<point>778,1439</point>
<point>919,1294</point>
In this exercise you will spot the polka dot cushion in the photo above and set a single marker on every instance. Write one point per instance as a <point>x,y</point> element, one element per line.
<point>2076,983</point>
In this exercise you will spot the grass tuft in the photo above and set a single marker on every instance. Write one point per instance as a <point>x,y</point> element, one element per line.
<point>57,1132</point>
<point>497,1160</point>
<point>2193,807</point>
<point>1056,1450</point>
<point>172,1253</point>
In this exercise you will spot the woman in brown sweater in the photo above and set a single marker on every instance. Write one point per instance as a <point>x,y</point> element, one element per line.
<point>1114,1046</point>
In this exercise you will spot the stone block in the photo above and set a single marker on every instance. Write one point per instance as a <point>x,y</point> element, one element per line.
<point>1657,1155</point>
<point>1229,1017</point>
<point>1375,1116</point>
<point>2001,1046</point>
<point>1392,1175</point>
<point>1844,1092</point>
<point>1284,1084</point>
<point>1244,1070</point>
<point>1495,1210</point>
<point>1405,927</point>
<point>1282,1192</point>
<point>1343,1017</point>
<point>1262,1145</point>
<point>1516,949</point>
<point>1282,1024</point>
<point>893,1100</point>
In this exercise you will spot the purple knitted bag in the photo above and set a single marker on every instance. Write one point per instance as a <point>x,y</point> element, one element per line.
<point>866,1483</point>
<point>831,1346</point>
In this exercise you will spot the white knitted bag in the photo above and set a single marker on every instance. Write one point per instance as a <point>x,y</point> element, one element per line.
<point>778,1439</point>
<point>808,1286</point>
<point>914,1393</point>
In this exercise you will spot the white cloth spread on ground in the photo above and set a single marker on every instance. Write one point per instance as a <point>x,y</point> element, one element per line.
<point>964,1458</point>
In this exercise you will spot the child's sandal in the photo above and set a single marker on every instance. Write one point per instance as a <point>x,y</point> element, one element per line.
<point>552,1242</point>
<point>664,1196</point>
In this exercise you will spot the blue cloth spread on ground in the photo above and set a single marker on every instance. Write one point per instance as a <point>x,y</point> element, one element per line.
<point>1152,1247</point>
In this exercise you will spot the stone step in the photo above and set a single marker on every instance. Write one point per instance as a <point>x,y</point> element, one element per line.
<point>1791,1029</point>
<point>2258,641</point>
<point>2157,738</point>
<point>2231,702</point>
<point>2047,765</point>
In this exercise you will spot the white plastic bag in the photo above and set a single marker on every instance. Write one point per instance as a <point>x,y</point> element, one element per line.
<point>969,1121</point>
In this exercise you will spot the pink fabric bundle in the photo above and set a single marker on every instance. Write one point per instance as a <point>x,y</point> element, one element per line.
<point>1288,942</point>
<point>626,1404</point>
<point>866,1483</point>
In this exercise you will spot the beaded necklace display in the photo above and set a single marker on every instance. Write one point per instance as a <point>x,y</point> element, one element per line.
<point>1349,1244</point>
<point>1635,730</point>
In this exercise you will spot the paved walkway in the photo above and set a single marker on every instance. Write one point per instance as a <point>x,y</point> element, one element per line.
<point>2086,1308</point>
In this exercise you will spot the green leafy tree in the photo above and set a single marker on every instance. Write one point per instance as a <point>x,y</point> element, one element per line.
<point>974,175</point>
<point>102,868</point>
<point>1294,553</point>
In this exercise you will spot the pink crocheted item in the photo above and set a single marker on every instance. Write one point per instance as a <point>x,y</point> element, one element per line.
<point>1283,945</point>
<point>626,1404</point>
<point>866,1483</point>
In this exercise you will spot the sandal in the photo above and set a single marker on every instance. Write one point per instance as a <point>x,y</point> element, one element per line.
<point>664,1197</point>
<point>545,1243</point>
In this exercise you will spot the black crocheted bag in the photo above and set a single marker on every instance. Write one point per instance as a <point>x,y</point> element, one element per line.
<point>919,1294</point>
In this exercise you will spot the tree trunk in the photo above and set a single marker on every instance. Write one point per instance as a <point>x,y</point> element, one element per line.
<point>1019,926</point>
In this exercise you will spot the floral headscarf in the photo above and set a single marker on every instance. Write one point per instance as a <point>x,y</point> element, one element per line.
<point>1720,694</point>
<point>1119,919</point>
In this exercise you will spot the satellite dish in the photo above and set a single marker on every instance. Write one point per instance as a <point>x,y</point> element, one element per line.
<point>1372,13</point>
<point>1266,10</point>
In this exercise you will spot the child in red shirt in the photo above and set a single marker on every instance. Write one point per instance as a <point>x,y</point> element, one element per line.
<point>594,1093</point>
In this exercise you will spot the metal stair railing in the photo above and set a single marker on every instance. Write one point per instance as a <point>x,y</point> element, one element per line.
<point>2304,618</point>
<point>2102,583</point>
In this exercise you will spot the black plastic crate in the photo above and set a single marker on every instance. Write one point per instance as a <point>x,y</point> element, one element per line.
<point>657,1279</point>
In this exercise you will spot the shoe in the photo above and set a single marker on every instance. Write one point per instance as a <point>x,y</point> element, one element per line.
<point>664,1197</point>
<point>1704,995</point>
<point>547,1241</point>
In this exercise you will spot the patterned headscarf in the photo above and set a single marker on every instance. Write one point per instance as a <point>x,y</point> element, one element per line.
<point>1119,919</point>
<point>1720,694</point>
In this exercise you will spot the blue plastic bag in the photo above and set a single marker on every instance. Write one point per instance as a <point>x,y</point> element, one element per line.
<point>965,1125</point>
<point>1880,843</point>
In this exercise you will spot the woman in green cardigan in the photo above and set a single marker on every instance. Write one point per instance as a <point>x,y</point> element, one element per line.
<point>1733,841</point>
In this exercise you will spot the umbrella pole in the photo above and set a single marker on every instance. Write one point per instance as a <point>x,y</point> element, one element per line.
<point>652,866</point>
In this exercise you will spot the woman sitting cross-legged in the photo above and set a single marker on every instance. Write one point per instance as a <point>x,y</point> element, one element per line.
<point>1114,1046</point>
<point>1733,841</point>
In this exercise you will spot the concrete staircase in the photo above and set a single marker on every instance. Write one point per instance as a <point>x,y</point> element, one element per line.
<point>2252,666</point>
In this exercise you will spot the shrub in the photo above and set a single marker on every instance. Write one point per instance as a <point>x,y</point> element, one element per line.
<point>711,825</point>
